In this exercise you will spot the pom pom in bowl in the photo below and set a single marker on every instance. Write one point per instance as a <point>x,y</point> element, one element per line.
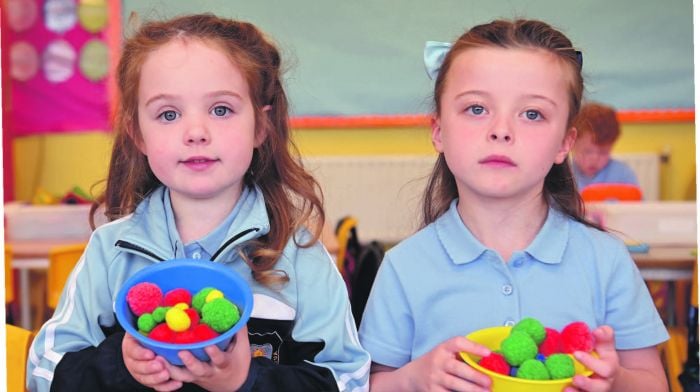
<point>492,338</point>
<point>192,275</point>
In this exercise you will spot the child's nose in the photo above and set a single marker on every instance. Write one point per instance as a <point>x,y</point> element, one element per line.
<point>500,132</point>
<point>197,134</point>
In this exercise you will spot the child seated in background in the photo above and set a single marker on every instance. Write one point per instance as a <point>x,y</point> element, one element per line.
<point>598,129</point>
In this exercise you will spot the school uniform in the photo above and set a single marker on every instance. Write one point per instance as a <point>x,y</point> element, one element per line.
<point>442,282</point>
<point>302,336</point>
<point>615,171</point>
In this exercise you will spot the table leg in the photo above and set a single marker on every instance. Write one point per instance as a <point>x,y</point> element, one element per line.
<point>25,317</point>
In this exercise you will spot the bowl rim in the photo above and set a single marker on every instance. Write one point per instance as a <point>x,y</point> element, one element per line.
<point>466,357</point>
<point>120,305</point>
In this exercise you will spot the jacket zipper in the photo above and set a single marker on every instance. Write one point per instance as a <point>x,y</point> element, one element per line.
<point>140,249</point>
<point>231,240</point>
<point>130,246</point>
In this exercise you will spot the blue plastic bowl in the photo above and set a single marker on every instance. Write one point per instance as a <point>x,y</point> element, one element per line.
<point>192,275</point>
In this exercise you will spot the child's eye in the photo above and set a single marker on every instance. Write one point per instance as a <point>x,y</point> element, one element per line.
<point>168,115</point>
<point>533,115</point>
<point>476,110</point>
<point>221,111</point>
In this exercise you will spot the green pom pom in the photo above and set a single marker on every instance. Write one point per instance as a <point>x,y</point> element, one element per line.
<point>200,298</point>
<point>518,347</point>
<point>532,327</point>
<point>560,366</point>
<point>220,314</point>
<point>146,323</point>
<point>159,313</point>
<point>533,369</point>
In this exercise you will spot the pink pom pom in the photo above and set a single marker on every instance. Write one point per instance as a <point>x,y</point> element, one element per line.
<point>495,363</point>
<point>175,296</point>
<point>143,298</point>
<point>576,337</point>
<point>551,343</point>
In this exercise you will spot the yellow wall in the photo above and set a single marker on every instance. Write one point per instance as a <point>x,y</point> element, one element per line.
<point>59,162</point>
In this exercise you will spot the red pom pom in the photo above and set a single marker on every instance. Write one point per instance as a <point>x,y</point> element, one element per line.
<point>184,337</point>
<point>175,296</point>
<point>143,298</point>
<point>194,317</point>
<point>162,333</point>
<point>551,343</point>
<point>203,332</point>
<point>495,363</point>
<point>576,337</point>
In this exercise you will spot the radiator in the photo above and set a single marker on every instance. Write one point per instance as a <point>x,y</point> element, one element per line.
<point>383,192</point>
<point>646,166</point>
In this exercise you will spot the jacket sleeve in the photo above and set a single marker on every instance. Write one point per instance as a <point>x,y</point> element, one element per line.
<point>323,318</point>
<point>98,368</point>
<point>71,351</point>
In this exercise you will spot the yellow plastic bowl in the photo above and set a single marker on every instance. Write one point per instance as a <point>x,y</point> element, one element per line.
<point>492,338</point>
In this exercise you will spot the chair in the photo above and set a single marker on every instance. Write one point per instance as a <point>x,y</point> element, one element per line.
<point>62,259</point>
<point>9,277</point>
<point>611,192</point>
<point>18,341</point>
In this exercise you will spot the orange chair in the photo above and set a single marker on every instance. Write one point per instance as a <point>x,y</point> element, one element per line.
<point>9,277</point>
<point>611,192</point>
<point>18,341</point>
<point>62,259</point>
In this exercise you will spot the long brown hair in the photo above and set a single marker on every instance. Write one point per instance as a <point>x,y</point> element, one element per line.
<point>292,197</point>
<point>559,184</point>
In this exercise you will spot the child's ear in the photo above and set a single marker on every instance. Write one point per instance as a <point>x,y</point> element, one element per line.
<point>262,130</point>
<point>566,145</point>
<point>138,140</point>
<point>436,133</point>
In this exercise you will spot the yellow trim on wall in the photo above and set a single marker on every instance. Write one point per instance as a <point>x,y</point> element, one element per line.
<point>59,162</point>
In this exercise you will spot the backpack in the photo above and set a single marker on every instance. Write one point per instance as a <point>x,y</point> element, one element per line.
<point>358,264</point>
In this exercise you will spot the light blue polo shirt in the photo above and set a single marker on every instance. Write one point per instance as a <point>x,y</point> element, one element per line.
<point>615,172</point>
<point>205,247</point>
<point>442,282</point>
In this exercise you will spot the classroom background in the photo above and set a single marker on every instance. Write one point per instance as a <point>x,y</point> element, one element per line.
<point>360,102</point>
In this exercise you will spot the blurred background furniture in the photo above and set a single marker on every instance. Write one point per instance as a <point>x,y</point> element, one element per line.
<point>18,341</point>
<point>62,259</point>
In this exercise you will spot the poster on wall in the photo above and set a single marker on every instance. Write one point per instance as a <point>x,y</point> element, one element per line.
<point>58,66</point>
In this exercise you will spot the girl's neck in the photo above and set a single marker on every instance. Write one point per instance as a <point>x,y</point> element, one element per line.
<point>195,219</point>
<point>503,225</point>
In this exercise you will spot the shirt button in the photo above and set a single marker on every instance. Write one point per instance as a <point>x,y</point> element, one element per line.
<point>509,323</point>
<point>518,263</point>
<point>196,255</point>
<point>507,289</point>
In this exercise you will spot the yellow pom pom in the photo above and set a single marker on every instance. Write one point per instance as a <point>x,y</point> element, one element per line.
<point>214,294</point>
<point>177,319</point>
<point>182,306</point>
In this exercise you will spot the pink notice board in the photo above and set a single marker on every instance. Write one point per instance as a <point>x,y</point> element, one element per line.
<point>60,61</point>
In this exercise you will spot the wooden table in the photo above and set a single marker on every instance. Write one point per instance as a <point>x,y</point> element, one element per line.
<point>666,263</point>
<point>669,264</point>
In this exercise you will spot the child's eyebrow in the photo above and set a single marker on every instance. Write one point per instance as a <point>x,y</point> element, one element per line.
<point>159,97</point>
<point>224,93</point>
<point>212,94</point>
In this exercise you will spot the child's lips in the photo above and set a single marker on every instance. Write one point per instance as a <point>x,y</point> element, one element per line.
<point>497,161</point>
<point>199,163</point>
